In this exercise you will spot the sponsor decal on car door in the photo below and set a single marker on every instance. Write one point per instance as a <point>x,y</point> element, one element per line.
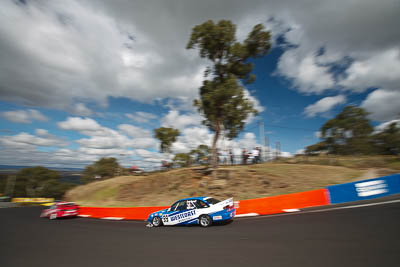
<point>187,213</point>
<point>183,216</point>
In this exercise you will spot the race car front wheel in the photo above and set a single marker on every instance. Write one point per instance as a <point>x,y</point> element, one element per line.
<point>156,221</point>
<point>205,220</point>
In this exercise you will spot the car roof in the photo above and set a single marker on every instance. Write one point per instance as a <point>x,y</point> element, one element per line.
<point>65,202</point>
<point>191,198</point>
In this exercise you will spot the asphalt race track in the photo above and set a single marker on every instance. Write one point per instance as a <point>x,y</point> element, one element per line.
<point>365,236</point>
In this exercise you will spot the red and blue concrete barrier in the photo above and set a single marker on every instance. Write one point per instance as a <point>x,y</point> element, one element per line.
<point>341,193</point>
<point>131,213</point>
<point>283,203</point>
<point>366,189</point>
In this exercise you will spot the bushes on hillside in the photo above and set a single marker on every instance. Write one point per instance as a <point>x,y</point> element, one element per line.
<point>37,182</point>
<point>350,132</point>
<point>104,168</point>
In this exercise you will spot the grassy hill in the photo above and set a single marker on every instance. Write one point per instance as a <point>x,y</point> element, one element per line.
<point>240,182</point>
<point>385,164</point>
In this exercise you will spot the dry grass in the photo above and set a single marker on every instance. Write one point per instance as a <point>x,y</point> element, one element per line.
<point>390,163</point>
<point>102,192</point>
<point>240,182</point>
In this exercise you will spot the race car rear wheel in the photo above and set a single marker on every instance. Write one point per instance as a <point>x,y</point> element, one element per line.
<point>205,220</point>
<point>156,221</point>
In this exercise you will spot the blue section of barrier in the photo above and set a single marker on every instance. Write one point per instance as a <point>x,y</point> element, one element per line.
<point>366,189</point>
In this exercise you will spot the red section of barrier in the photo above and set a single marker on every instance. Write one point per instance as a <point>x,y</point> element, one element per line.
<point>135,213</point>
<point>261,206</point>
<point>276,204</point>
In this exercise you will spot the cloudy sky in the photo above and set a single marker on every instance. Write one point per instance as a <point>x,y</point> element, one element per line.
<point>80,80</point>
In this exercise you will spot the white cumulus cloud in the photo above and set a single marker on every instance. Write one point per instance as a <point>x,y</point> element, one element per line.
<point>127,136</point>
<point>23,116</point>
<point>384,125</point>
<point>79,124</point>
<point>383,104</point>
<point>304,72</point>
<point>381,69</point>
<point>180,121</point>
<point>134,131</point>
<point>324,105</point>
<point>81,109</point>
<point>90,54</point>
<point>28,140</point>
<point>141,117</point>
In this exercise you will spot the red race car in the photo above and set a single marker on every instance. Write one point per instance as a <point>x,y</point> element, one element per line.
<point>61,210</point>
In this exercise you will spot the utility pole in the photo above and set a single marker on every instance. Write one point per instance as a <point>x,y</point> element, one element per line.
<point>261,129</point>
<point>267,148</point>
<point>278,149</point>
<point>262,140</point>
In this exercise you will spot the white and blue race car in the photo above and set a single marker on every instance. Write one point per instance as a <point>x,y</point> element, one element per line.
<point>195,210</point>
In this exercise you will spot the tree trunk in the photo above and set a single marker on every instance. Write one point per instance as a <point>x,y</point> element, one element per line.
<point>214,147</point>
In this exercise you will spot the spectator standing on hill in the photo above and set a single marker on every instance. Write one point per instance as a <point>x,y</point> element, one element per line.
<point>231,156</point>
<point>223,157</point>
<point>256,154</point>
<point>166,165</point>
<point>250,157</point>
<point>244,156</point>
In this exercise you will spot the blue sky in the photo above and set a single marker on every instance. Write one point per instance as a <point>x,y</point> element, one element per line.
<point>80,80</point>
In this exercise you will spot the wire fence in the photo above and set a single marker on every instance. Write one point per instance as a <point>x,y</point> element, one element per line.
<point>223,160</point>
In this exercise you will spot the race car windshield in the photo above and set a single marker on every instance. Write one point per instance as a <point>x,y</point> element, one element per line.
<point>212,200</point>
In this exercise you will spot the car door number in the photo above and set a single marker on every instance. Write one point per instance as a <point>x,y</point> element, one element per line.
<point>165,218</point>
